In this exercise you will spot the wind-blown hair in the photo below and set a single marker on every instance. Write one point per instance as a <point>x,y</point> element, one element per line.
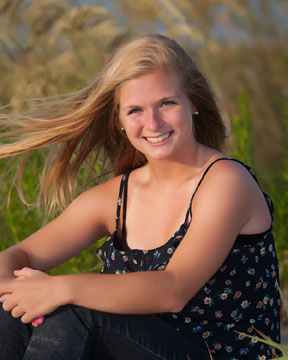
<point>86,123</point>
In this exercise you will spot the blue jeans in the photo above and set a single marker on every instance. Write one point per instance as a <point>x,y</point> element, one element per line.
<point>77,333</point>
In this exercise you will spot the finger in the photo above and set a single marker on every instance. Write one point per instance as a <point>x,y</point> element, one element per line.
<point>35,323</point>
<point>5,287</point>
<point>17,312</point>
<point>4,297</point>
<point>38,321</point>
<point>8,304</point>
<point>26,271</point>
<point>19,277</point>
<point>27,318</point>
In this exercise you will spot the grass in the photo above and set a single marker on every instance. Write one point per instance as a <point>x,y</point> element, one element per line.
<point>51,47</point>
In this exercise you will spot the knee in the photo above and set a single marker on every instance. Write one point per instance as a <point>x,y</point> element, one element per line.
<point>6,318</point>
<point>64,320</point>
<point>14,330</point>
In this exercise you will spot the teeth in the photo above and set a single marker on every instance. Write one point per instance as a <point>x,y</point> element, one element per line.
<point>159,138</point>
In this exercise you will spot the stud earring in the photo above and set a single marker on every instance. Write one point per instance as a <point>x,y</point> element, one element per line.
<point>196,113</point>
<point>122,129</point>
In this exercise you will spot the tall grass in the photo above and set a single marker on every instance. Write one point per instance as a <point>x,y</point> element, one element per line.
<point>243,132</point>
<point>49,47</point>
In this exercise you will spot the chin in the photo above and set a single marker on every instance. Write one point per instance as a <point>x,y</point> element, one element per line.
<point>158,157</point>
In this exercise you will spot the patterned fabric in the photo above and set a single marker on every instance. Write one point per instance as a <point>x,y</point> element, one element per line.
<point>241,296</point>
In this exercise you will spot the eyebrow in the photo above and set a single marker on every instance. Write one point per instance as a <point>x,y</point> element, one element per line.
<point>160,100</point>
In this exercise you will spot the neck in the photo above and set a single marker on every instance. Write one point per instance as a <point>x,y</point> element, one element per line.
<point>173,172</point>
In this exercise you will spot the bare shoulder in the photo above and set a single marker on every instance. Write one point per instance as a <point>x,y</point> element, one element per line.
<point>229,185</point>
<point>88,218</point>
<point>229,175</point>
<point>109,187</point>
<point>99,202</point>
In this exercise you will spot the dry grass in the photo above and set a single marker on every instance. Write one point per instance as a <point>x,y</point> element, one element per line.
<point>48,47</point>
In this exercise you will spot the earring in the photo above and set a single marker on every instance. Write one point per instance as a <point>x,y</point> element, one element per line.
<point>122,129</point>
<point>196,113</point>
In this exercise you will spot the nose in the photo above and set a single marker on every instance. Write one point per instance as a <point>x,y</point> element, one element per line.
<point>153,120</point>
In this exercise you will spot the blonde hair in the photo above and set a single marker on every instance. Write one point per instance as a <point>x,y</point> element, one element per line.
<point>84,124</point>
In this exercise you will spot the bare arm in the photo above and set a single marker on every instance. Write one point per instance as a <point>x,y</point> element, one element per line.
<point>87,219</point>
<point>10,260</point>
<point>224,204</point>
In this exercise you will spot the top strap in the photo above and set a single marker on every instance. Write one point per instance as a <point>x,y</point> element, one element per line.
<point>268,200</point>
<point>215,161</point>
<point>123,188</point>
<point>123,195</point>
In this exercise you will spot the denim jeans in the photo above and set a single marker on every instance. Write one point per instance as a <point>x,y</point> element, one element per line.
<point>77,333</point>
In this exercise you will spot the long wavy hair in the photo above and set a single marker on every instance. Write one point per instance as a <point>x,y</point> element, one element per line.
<point>82,125</point>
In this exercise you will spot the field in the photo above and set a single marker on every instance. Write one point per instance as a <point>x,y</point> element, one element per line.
<point>53,47</point>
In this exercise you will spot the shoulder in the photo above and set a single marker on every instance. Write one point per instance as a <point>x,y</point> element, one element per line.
<point>227,181</point>
<point>106,190</point>
<point>227,171</point>
<point>98,203</point>
<point>109,187</point>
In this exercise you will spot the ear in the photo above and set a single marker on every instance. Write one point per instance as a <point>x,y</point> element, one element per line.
<point>194,110</point>
<point>119,122</point>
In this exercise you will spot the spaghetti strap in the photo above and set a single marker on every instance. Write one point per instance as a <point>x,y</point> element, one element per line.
<point>246,277</point>
<point>268,200</point>
<point>188,217</point>
<point>123,187</point>
<point>123,232</point>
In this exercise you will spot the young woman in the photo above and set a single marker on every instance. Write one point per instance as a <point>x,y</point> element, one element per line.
<point>191,262</point>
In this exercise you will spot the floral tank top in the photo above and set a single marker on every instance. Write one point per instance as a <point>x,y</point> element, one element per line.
<point>241,297</point>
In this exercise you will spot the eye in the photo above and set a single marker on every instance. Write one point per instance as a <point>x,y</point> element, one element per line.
<point>134,111</point>
<point>167,103</point>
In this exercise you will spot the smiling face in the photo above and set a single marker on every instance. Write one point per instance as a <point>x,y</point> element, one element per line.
<point>157,116</point>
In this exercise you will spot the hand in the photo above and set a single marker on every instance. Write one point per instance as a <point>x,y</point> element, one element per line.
<point>30,296</point>
<point>4,279</point>
<point>23,274</point>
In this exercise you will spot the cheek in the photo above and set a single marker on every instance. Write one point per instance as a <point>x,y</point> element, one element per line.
<point>133,136</point>
<point>182,119</point>
<point>133,127</point>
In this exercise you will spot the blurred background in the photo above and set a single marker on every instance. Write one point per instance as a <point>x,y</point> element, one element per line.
<point>51,47</point>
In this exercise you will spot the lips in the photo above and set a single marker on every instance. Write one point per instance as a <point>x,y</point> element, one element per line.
<point>157,139</point>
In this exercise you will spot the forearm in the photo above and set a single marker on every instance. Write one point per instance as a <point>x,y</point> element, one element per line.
<point>132,293</point>
<point>12,259</point>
